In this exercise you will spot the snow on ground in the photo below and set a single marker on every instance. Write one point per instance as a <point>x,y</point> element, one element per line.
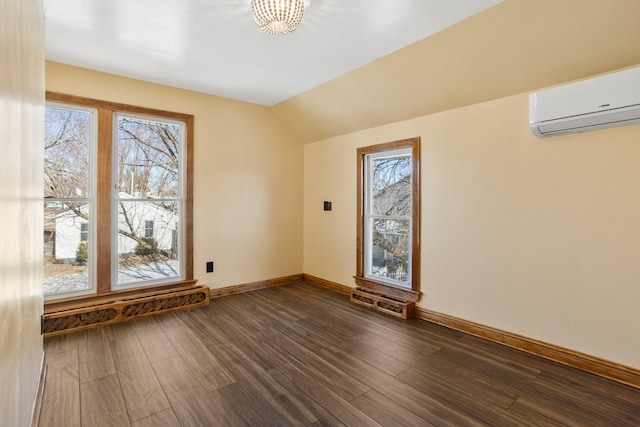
<point>151,270</point>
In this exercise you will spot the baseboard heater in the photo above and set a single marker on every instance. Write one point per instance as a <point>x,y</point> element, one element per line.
<point>116,309</point>
<point>382,303</point>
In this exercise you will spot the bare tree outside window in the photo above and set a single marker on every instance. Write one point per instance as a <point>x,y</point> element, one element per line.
<point>148,199</point>
<point>67,200</point>
<point>390,198</point>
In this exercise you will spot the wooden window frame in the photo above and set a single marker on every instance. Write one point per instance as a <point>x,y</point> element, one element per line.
<point>368,283</point>
<point>104,194</point>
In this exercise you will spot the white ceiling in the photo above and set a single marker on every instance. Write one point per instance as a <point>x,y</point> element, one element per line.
<point>213,46</point>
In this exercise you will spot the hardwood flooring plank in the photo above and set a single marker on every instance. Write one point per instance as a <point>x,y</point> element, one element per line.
<point>94,355</point>
<point>166,418</point>
<point>219,306</point>
<point>61,398</point>
<point>140,387</point>
<point>416,342</point>
<point>304,304</point>
<point>593,384</point>
<point>472,372</point>
<point>321,422</point>
<point>331,408</point>
<point>602,401</point>
<point>546,407</point>
<point>328,325</point>
<point>372,356</point>
<point>319,369</point>
<point>155,343</point>
<point>266,392</point>
<point>528,413</point>
<point>340,307</point>
<point>430,331</point>
<point>274,304</point>
<point>566,405</point>
<point>387,412</point>
<point>484,405</point>
<point>400,352</point>
<point>189,401</point>
<point>120,330</point>
<point>424,405</point>
<point>211,374</point>
<point>61,343</point>
<point>172,319</point>
<point>203,324</point>
<point>102,403</point>
<point>250,342</point>
<point>239,407</point>
<point>302,335</point>
<point>510,358</point>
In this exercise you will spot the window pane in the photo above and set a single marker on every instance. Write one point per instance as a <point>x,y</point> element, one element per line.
<point>66,254</point>
<point>66,153</point>
<point>148,158</point>
<point>142,257</point>
<point>390,249</point>
<point>148,229</point>
<point>391,186</point>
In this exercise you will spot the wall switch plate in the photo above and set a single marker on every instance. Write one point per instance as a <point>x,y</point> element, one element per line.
<point>209,266</point>
<point>327,206</point>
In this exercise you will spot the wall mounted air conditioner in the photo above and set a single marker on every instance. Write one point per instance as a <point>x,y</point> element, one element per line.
<point>597,103</point>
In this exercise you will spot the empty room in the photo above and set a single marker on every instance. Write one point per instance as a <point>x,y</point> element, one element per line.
<point>320,213</point>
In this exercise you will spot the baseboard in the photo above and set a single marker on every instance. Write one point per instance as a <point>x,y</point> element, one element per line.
<point>594,365</point>
<point>587,363</point>
<point>254,286</point>
<point>37,404</point>
<point>337,287</point>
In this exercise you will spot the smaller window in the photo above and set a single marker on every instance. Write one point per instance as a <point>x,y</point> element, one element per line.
<point>84,232</point>
<point>388,233</point>
<point>148,229</point>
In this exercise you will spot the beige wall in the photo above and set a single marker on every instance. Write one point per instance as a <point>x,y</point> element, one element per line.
<point>511,48</point>
<point>21,159</point>
<point>248,176</point>
<point>539,237</point>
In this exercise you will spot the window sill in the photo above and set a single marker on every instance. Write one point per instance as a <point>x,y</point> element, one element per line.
<point>86,301</point>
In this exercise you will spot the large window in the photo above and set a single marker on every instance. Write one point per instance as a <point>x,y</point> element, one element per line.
<point>389,218</point>
<point>118,197</point>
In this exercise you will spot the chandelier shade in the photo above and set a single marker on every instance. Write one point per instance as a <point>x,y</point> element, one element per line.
<point>277,16</point>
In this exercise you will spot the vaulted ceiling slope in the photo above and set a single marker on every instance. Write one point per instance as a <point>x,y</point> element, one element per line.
<point>214,46</point>
<point>514,47</point>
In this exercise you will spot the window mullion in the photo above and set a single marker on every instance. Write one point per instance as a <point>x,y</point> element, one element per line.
<point>103,206</point>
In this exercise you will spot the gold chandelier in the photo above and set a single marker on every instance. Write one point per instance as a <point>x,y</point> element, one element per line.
<point>277,16</point>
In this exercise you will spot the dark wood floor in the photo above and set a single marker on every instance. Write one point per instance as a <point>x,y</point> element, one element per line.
<point>300,355</point>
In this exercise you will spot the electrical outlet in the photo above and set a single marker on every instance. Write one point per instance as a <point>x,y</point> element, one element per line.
<point>209,266</point>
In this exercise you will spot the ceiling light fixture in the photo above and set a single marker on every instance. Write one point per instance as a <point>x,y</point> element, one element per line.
<point>277,16</point>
